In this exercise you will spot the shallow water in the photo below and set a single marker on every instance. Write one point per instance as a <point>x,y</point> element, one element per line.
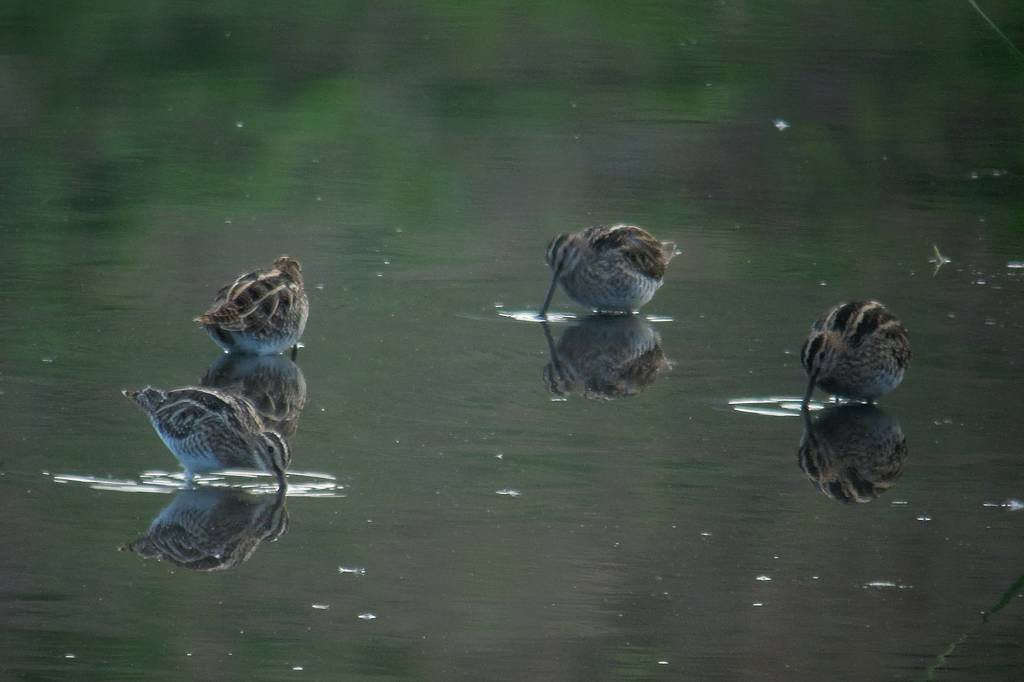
<point>476,495</point>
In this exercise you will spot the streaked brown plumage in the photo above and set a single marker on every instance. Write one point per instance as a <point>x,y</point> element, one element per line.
<point>207,429</point>
<point>261,312</point>
<point>604,358</point>
<point>856,350</point>
<point>273,384</point>
<point>614,268</point>
<point>852,453</point>
<point>210,529</point>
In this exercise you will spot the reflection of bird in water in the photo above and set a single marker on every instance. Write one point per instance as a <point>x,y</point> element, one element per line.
<point>210,529</point>
<point>856,350</point>
<point>262,312</point>
<point>207,429</point>
<point>613,268</point>
<point>603,358</point>
<point>272,383</point>
<point>852,453</point>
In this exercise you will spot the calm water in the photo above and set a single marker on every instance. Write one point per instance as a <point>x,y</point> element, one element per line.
<point>457,514</point>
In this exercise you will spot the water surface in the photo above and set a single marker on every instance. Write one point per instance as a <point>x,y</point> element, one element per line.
<point>485,518</point>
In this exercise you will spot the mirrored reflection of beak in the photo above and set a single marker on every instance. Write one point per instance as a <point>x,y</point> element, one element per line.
<point>604,358</point>
<point>852,453</point>
<point>272,383</point>
<point>210,529</point>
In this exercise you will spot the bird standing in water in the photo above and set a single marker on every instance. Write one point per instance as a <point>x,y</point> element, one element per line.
<point>856,350</point>
<point>207,429</point>
<point>262,312</point>
<point>610,269</point>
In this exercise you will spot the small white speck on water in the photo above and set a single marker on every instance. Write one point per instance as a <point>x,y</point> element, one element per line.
<point>387,262</point>
<point>47,360</point>
<point>70,656</point>
<point>500,455</point>
<point>297,668</point>
<point>780,124</point>
<point>900,502</point>
<point>239,124</point>
<point>499,304</point>
<point>763,578</point>
<point>662,662</point>
<point>705,534</point>
<point>822,283</point>
<point>885,585</point>
<point>320,286</point>
<point>924,517</point>
<point>814,577</point>
<point>510,492</point>
<point>188,653</point>
<point>354,570</point>
<point>321,607</point>
<point>379,274</point>
<point>758,603</point>
<point>980,282</point>
<point>367,616</point>
<point>1015,264</point>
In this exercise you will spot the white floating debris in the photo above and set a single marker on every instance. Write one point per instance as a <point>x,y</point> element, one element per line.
<point>705,534</point>
<point>354,570</point>
<point>758,603</point>
<point>924,517</point>
<point>239,124</point>
<point>321,607</point>
<point>1015,264</point>
<point>367,616</point>
<point>885,585</point>
<point>510,492</point>
<point>763,578</point>
<point>900,502</point>
<point>297,667</point>
<point>662,662</point>
<point>69,656</point>
<point>780,124</point>
<point>47,360</point>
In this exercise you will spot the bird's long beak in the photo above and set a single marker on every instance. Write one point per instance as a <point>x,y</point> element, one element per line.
<point>810,390</point>
<point>282,482</point>
<point>551,292</point>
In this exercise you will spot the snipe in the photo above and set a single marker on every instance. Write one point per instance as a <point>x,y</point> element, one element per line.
<point>856,350</point>
<point>207,429</point>
<point>613,268</point>
<point>261,312</point>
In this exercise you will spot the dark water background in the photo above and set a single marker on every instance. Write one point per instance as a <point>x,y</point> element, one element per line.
<point>417,157</point>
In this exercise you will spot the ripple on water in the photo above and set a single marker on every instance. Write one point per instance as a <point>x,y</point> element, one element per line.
<point>532,316</point>
<point>774,406</point>
<point>300,483</point>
